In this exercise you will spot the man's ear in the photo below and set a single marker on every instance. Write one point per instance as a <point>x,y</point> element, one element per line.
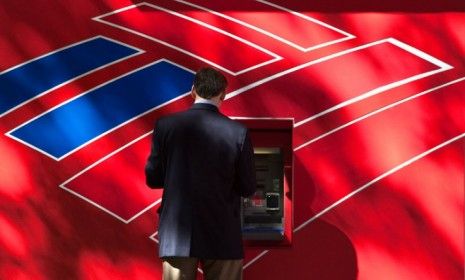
<point>193,93</point>
<point>223,95</point>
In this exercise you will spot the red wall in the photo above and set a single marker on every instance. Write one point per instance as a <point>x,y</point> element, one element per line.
<point>378,97</point>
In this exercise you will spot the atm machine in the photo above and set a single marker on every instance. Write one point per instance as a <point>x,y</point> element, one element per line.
<point>267,214</point>
<point>262,213</point>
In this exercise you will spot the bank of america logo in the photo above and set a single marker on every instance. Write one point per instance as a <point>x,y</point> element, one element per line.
<point>245,47</point>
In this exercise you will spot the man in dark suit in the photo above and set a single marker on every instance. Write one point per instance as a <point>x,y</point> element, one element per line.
<point>204,162</point>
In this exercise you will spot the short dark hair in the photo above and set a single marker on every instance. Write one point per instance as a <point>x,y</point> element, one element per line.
<point>209,82</point>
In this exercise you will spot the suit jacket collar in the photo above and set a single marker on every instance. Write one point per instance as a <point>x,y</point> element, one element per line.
<point>204,106</point>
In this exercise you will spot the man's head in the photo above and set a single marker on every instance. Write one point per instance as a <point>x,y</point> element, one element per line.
<point>209,83</point>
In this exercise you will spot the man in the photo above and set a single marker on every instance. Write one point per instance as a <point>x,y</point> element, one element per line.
<point>204,162</point>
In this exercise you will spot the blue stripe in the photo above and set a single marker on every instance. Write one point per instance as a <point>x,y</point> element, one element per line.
<point>38,76</point>
<point>71,125</point>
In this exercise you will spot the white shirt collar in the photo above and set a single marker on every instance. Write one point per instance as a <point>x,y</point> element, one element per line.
<point>199,99</point>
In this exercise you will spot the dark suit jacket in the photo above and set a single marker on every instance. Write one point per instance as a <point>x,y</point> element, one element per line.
<point>204,162</point>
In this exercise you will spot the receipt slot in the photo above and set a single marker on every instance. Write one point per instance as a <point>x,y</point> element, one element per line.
<point>267,214</point>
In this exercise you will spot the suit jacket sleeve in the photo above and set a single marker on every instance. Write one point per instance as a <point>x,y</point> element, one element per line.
<point>245,176</point>
<point>154,168</point>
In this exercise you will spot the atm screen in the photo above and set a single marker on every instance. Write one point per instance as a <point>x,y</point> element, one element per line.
<point>262,213</point>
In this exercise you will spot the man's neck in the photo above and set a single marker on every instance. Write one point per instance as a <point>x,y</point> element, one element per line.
<point>212,101</point>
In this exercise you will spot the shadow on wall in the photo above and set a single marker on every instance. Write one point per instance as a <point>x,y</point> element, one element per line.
<point>319,249</point>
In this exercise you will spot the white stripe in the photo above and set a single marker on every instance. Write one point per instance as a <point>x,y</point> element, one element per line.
<point>126,221</point>
<point>153,237</point>
<point>377,112</point>
<point>301,66</point>
<point>275,56</point>
<point>379,178</point>
<point>270,34</point>
<point>256,259</point>
<point>442,67</point>
<point>307,18</point>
